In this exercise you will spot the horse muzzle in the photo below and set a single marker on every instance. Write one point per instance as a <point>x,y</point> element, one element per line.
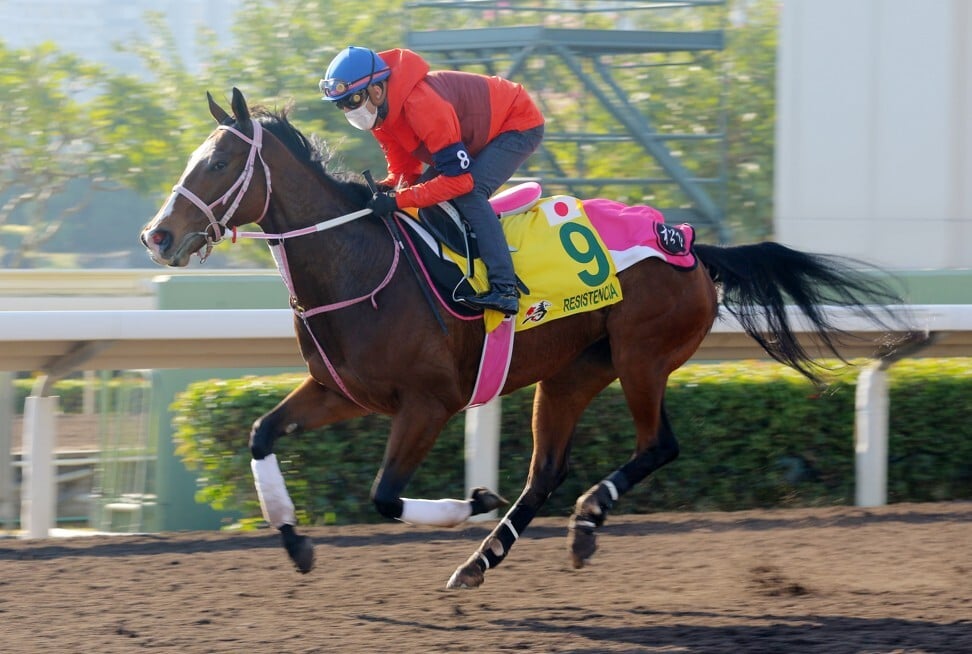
<point>164,250</point>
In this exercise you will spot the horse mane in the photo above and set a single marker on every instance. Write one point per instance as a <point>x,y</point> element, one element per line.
<point>312,151</point>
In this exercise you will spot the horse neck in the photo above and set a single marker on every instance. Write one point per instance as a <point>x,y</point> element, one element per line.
<point>301,197</point>
<point>333,264</point>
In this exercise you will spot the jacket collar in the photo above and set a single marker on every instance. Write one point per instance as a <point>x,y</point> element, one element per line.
<point>407,70</point>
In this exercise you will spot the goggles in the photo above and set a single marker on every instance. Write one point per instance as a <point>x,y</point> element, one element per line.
<point>352,100</point>
<point>331,88</point>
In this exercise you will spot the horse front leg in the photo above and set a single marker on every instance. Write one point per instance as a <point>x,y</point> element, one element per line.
<point>414,430</point>
<point>309,406</point>
<point>558,405</point>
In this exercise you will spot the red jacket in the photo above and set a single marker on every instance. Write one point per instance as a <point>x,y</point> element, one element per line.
<point>431,112</point>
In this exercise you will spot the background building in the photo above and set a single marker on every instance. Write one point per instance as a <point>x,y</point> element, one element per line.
<point>874,131</point>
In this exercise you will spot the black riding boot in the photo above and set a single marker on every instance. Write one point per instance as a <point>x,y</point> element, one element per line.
<point>501,297</point>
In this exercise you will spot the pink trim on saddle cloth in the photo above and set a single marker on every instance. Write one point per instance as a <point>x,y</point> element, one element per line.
<point>633,233</point>
<point>494,364</point>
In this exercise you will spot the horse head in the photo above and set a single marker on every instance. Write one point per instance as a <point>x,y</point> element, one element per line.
<point>222,187</point>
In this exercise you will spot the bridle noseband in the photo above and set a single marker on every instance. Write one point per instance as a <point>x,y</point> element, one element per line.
<point>239,188</point>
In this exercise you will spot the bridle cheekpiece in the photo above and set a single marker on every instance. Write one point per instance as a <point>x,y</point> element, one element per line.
<point>238,189</point>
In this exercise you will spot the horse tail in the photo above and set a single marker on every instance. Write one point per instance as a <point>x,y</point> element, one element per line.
<point>757,282</point>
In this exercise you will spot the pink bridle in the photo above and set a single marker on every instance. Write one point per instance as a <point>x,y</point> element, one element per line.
<point>239,188</point>
<point>220,229</point>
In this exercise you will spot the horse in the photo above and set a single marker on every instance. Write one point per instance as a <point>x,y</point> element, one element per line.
<point>371,344</point>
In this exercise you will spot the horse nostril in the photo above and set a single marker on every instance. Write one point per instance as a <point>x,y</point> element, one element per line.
<point>159,237</point>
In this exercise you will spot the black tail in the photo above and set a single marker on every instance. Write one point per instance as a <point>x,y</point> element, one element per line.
<point>758,281</point>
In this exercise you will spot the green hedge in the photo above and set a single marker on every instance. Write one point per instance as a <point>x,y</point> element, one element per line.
<point>752,435</point>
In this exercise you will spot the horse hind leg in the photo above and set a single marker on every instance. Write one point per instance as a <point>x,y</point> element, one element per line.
<point>664,318</point>
<point>592,507</point>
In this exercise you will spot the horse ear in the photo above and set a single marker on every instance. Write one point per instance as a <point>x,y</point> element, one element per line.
<point>240,110</point>
<point>218,113</point>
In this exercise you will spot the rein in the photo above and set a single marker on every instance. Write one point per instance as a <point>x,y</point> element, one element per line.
<point>313,229</point>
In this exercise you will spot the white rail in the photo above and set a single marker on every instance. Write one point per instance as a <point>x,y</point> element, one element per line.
<point>109,289</point>
<point>192,338</point>
<point>57,342</point>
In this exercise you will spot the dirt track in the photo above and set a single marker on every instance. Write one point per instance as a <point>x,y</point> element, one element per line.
<point>895,579</point>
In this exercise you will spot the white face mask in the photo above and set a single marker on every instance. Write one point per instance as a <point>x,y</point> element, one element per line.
<point>363,117</point>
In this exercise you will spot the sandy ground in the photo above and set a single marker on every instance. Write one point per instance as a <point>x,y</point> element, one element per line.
<point>892,579</point>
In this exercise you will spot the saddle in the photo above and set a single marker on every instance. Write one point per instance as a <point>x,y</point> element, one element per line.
<point>442,225</point>
<point>449,227</point>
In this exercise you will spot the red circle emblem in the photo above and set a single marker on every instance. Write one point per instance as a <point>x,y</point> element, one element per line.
<point>560,208</point>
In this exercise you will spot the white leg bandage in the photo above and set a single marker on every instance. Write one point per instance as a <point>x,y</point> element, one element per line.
<point>436,513</point>
<point>278,509</point>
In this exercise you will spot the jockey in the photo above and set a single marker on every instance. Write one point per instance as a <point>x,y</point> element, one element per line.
<point>471,131</point>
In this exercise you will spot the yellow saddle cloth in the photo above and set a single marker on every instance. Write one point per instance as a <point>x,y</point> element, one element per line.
<point>561,259</point>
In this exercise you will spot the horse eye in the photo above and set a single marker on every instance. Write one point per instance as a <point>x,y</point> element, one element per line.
<point>217,165</point>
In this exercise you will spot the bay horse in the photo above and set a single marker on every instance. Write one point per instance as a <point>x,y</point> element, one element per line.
<point>371,343</point>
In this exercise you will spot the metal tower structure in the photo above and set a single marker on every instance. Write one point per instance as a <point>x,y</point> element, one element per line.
<point>611,77</point>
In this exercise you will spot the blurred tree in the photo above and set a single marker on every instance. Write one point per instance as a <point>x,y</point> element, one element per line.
<point>278,53</point>
<point>695,96</point>
<point>281,49</point>
<point>151,124</point>
<point>751,128</point>
<point>74,128</point>
<point>44,147</point>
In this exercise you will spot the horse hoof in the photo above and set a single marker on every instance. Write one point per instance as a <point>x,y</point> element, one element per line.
<point>302,554</point>
<point>466,576</point>
<point>300,548</point>
<point>485,500</point>
<point>582,543</point>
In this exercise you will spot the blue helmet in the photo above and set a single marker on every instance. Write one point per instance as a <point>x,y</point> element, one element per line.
<point>353,69</point>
